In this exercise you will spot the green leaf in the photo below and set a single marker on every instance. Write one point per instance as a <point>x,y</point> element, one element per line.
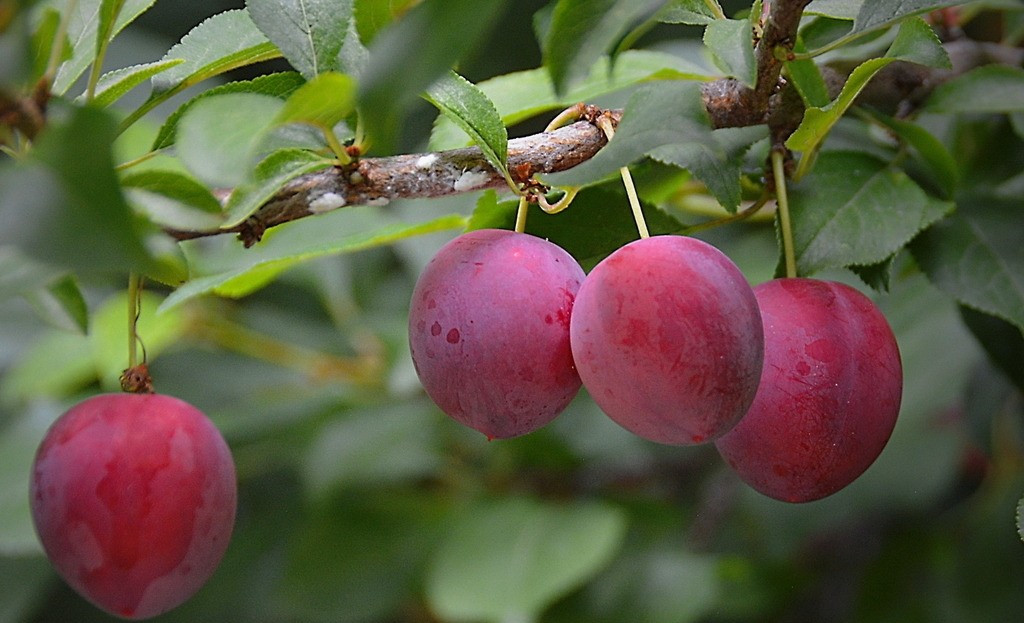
<point>19,437</point>
<point>385,444</point>
<point>43,39</point>
<point>944,170</point>
<point>707,162</point>
<point>309,33</point>
<point>113,85</point>
<point>854,210</point>
<point>226,41</point>
<point>807,79</point>
<point>509,560</point>
<point>272,173</point>
<point>64,205</point>
<point>411,54</point>
<point>693,12</point>
<point>582,31</point>
<point>173,199</point>
<point>372,16</point>
<point>837,9</point>
<point>656,115</point>
<point>467,106</point>
<point>878,14</point>
<point>732,44</point>
<point>83,28</point>
<point>61,304</point>
<point>914,43</point>
<point>524,94</point>
<point>279,85</point>
<point>56,364</point>
<point>20,273</point>
<point>219,137</point>
<point>1003,342</point>
<point>987,89</point>
<point>1020,518</point>
<point>976,257</point>
<point>322,102</point>
<point>233,271</point>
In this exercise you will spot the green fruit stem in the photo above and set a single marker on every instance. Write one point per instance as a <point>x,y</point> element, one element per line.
<point>782,200</point>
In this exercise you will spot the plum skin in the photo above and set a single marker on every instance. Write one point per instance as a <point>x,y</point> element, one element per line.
<point>489,331</point>
<point>133,497</point>
<point>667,339</point>
<point>829,396</point>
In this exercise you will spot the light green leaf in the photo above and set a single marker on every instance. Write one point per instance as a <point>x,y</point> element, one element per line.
<point>693,12</point>
<point>20,273</point>
<point>57,364</point>
<point>83,26</point>
<point>279,85</point>
<point>914,43</point>
<point>524,94</point>
<point>309,33</point>
<point>991,89</point>
<point>19,438</point>
<point>807,79</point>
<point>221,43</point>
<point>61,304</point>
<point>115,84</point>
<point>218,137</point>
<point>272,173</point>
<point>467,106</point>
<point>732,44</point>
<point>854,210</point>
<point>656,115</point>
<point>234,271</point>
<point>173,199</point>
<point>582,31</point>
<point>977,257</point>
<point>412,53</point>
<point>508,560</point>
<point>322,102</point>
<point>43,39</point>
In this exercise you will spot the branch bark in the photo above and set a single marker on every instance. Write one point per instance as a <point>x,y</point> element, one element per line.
<point>729,103</point>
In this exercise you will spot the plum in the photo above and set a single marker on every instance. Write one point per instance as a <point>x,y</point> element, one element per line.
<point>133,498</point>
<point>489,331</point>
<point>667,339</point>
<point>829,396</point>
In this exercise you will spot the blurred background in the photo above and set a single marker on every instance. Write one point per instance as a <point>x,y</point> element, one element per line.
<point>361,502</point>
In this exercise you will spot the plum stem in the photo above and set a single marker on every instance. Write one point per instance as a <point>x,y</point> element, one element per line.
<point>782,201</point>
<point>521,214</point>
<point>134,310</point>
<point>627,180</point>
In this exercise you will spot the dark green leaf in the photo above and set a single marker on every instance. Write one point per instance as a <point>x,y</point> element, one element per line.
<point>1020,518</point>
<point>271,175</point>
<point>231,270</point>
<point>878,14</point>
<point>976,256</point>
<point>656,115</point>
<point>582,31</point>
<point>992,88</point>
<point>523,94</point>
<point>1002,341</point>
<point>83,26</point>
<point>535,554</point>
<point>61,304</point>
<point>838,9</point>
<point>475,114</point>
<point>693,12</point>
<point>309,33</point>
<point>807,79</point>
<point>223,42</point>
<point>64,206</point>
<point>854,210</point>
<point>876,276</point>
<point>409,56</point>
<point>115,84</point>
<point>279,85</point>
<point>731,42</point>
<point>219,137</point>
<point>943,168</point>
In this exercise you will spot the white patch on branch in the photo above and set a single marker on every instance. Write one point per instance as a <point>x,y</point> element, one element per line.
<point>326,202</point>
<point>426,162</point>
<point>470,180</point>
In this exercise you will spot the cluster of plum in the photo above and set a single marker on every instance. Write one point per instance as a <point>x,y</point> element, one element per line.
<point>133,498</point>
<point>796,381</point>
